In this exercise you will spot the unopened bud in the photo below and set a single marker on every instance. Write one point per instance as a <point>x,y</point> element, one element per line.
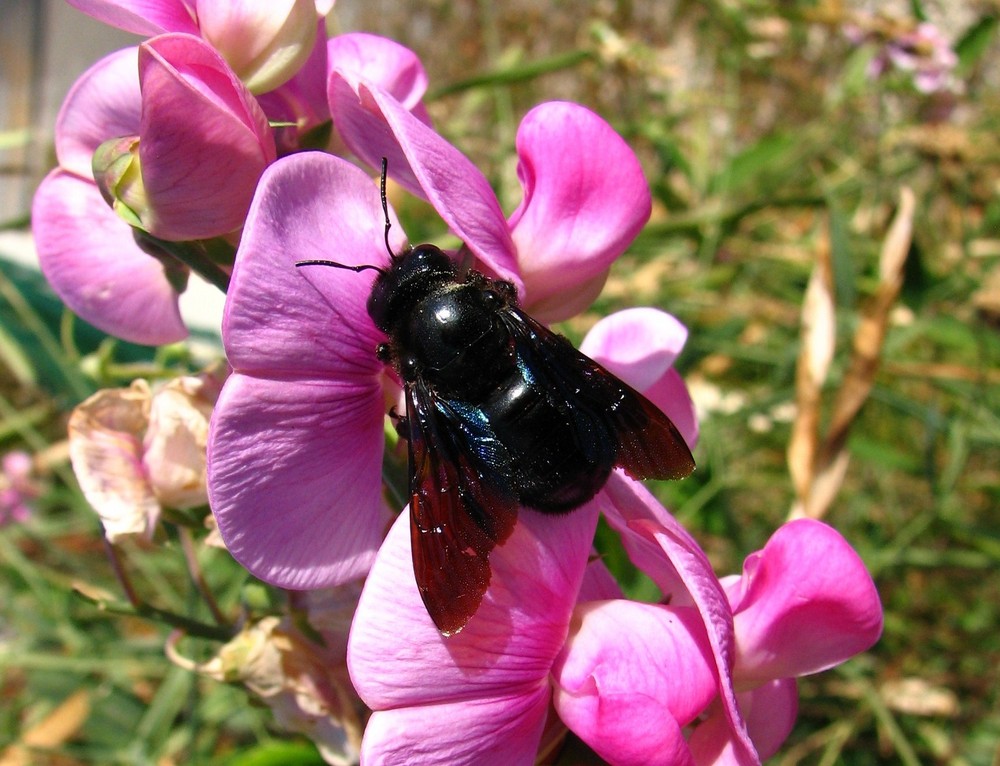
<point>118,174</point>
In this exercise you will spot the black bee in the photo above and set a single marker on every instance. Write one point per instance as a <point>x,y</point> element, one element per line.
<point>501,412</point>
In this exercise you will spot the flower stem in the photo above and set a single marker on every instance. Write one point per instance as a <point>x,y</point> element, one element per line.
<point>201,256</point>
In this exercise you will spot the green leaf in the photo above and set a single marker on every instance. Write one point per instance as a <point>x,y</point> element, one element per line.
<point>278,754</point>
<point>975,42</point>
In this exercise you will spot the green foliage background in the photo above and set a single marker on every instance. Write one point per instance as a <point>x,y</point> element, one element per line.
<point>764,141</point>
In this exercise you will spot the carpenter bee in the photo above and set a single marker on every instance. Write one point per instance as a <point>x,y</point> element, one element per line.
<point>501,412</point>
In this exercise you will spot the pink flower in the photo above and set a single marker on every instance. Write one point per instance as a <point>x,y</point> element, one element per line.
<point>264,41</point>
<point>297,438</point>
<point>585,197</point>
<point>18,488</point>
<point>198,173</point>
<point>803,604</point>
<point>625,677</point>
<point>87,252</point>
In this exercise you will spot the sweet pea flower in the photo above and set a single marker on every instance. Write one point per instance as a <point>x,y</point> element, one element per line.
<point>86,251</point>
<point>203,140</point>
<point>627,678</point>
<point>264,41</point>
<point>296,665</point>
<point>18,487</point>
<point>803,604</point>
<point>297,438</point>
<point>585,197</point>
<point>532,641</point>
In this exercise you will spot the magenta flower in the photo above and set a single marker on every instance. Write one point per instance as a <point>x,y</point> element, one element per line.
<point>264,41</point>
<point>198,173</point>
<point>803,604</point>
<point>86,251</point>
<point>18,488</point>
<point>296,447</point>
<point>585,197</point>
<point>627,678</point>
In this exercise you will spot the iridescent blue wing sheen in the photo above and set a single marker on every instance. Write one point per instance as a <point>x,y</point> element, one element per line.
<point>462,503</point>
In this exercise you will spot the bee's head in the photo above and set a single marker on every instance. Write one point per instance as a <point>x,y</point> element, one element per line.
<point>413,275</point>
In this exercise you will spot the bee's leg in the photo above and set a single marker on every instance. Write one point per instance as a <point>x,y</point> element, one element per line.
<point>401,424</point>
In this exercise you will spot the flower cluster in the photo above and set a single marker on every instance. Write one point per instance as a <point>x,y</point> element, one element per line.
<point>238,141</point>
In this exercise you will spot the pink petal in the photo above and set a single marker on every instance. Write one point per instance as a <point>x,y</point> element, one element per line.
<point>769,711</point>
<point>309,321</point>
<point>640,345</point>
<point>631,676</point>
<point>670,393</point>
<point>264,41</point>
<point>598,583</point>
<point>807,603</point>
<point>383,63</point>
<point>104,103</point>
<point>89,256</point>
<point>585,199</point>
<point>501,731</point>
<point>199,174</point>
<point>295,478</point>
<point>398,659</point>
<point>300,101</point>
<point>374,125</point>
<point>141,17</point>
<point>664,550</point>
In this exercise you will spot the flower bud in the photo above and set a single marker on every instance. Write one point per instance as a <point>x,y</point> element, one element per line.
<point>265,42</point>
<point>118,173</point>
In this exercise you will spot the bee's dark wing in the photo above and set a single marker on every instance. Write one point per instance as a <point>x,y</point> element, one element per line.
<point>649,444</point>
<point>462,504</point>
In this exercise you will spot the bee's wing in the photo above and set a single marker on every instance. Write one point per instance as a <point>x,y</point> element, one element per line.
<point>462,504</point>
<point>649,444</point>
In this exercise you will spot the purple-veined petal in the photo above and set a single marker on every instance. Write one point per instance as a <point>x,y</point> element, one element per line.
<point>104,103</point>
<point>294,476</point>
<point>585,200</point>
<point>806,603</point>
<point>199,173</point>
<point>682,570</point>
<point>769,711</point>
<point>89,256</point>
<point>499,731</point>
<point>374,125</point>
<point>640,345</point>
<point>507,647</point>
<point>631,676</point>
<point>142,17</point>
<point>283,320</point>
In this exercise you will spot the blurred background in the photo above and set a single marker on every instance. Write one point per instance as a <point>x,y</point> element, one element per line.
<point>782,139</point>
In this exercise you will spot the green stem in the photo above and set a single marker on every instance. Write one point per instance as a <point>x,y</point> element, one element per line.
<point>196,255</point>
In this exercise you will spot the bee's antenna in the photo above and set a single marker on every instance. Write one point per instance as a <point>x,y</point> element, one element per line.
<point>388,225</point>
<point>334,264</point>
<point>385,204</point>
